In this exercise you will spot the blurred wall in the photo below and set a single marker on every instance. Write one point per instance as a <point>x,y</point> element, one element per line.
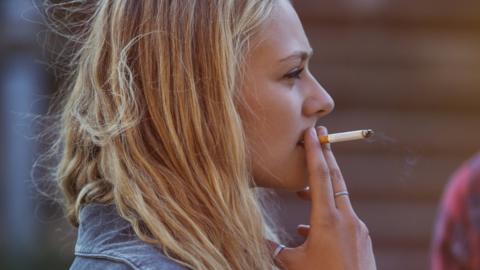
<point>31,234</point>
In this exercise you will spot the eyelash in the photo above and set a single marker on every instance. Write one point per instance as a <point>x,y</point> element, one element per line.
<point>295,74</point>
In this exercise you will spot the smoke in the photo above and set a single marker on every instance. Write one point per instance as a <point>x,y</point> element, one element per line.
<point>394,147</point>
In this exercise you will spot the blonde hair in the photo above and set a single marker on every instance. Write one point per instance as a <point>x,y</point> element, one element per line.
<point>150,124</point>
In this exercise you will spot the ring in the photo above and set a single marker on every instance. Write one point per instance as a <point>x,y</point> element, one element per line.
<point>279,249</point>
<point>341,193</point>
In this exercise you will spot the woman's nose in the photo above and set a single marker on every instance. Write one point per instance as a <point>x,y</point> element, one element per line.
<point>318,103</point>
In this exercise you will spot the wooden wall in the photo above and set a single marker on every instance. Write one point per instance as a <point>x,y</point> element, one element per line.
<point>410,70</point>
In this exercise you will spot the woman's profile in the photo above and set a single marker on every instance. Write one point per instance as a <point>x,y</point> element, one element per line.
<point>173,113</point>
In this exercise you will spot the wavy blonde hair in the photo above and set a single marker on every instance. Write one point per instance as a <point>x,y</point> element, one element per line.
<point>150,123</point>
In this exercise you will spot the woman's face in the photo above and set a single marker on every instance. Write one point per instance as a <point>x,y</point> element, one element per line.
<point>283,100</point>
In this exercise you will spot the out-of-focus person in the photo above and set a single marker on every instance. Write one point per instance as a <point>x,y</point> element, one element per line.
<point>456,239</point>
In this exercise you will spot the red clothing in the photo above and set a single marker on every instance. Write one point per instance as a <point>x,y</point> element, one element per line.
<point>456,240</point>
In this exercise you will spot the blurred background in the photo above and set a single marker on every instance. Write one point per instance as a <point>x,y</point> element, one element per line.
<point>410,70</point>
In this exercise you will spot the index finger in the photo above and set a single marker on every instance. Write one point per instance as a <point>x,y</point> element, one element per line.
<point>321,190</point>
<point>338,182</point>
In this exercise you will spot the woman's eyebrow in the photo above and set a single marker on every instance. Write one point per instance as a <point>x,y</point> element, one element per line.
<point>303,55</point>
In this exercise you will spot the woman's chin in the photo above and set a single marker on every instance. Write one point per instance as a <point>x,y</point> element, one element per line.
<point>297,181</point>
<point>291,183</point>
<point>296,187</point>
<point>291,186</point>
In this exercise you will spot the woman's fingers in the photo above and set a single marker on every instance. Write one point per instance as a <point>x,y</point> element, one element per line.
<point>303,230</point>
<point>304,194</point>
<point>335,238</point>
<point>278,253</point>
<point>338,182</point>
<point>321,191</point>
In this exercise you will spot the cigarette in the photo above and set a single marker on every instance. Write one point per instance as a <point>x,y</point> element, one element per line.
<point>346,136</point>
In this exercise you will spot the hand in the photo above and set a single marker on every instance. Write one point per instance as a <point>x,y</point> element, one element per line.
<point>336,238</point>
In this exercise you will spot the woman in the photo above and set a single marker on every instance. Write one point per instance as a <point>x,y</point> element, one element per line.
<point>175,111</point>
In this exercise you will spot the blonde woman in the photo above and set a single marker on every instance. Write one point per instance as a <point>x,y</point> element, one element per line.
<point>174,112</point>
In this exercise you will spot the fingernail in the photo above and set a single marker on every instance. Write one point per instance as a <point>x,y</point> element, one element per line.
<point>313,133</point>
<point>322,130</point>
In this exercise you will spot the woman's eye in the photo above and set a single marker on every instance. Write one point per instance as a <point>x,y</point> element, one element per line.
<point>294,74</point>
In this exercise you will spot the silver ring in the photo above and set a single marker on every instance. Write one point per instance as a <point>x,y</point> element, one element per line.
<point>279,249</point>
<point>341,193</point>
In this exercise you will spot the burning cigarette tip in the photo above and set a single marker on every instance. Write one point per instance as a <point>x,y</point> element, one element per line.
<point>368,133</point>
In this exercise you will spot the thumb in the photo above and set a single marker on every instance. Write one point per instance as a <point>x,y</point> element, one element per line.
<point>278,253</point>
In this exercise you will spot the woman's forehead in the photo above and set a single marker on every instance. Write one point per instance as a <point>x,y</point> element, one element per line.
<point>282,35</point>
